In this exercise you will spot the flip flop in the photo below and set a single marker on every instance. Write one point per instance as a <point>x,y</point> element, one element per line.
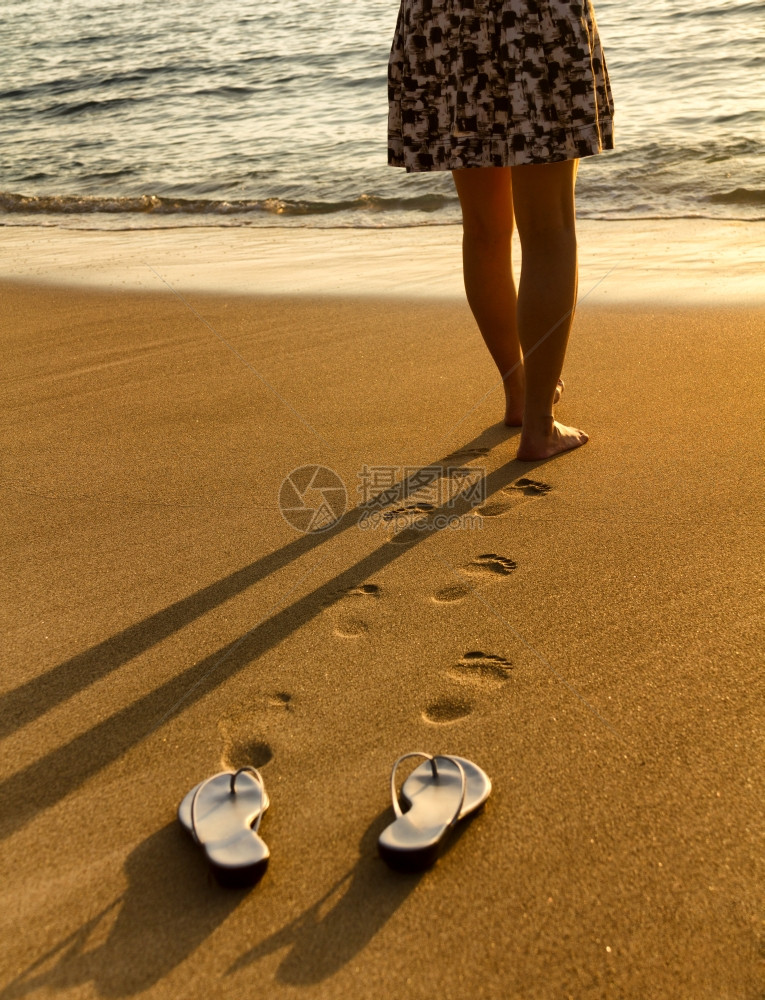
<point>222,814</point>
<point>438,794</point>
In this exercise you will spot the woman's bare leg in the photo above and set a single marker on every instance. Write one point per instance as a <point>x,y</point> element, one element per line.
<point>487,227</point>
<point>544,206</point>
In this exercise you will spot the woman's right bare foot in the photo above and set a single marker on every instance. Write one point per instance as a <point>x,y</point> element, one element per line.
<point>549,442</point>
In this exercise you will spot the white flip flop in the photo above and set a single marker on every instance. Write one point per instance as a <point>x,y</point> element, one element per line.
<point>438,794</point>
<point>222,814</point>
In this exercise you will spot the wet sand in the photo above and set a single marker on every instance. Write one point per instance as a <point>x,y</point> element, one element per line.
<point>595,646</point>
<point>690,262</point>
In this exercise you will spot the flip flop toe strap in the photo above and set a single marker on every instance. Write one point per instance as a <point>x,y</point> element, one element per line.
<point>234,775</point>
<point>434,768</point>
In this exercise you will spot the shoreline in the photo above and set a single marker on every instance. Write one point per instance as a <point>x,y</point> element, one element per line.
<point>673,262</point>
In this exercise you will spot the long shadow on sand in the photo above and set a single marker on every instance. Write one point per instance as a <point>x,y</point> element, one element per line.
<point>171,905</point>
<point>337,927</point>
<point>106,741</point>
<point>32,699</point>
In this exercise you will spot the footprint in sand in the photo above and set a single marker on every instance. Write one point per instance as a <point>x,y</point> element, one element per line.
<point>401,519</point>
<point>519,492</point>
<point>407,536</point>
<point>484,671</point>
<point>481,670</point>
<point>239,753</point>
<point>280,699</point>
<point>466,455</point>
<point>408,512</point>
<point>483,569</point>
<point>447,710</point>
<point>242,743</point>
<point>350,611</point>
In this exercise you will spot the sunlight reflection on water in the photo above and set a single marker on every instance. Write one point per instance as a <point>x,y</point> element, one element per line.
<point>283,111</point>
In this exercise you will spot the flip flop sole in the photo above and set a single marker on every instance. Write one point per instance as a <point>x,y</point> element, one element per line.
<point>415,859</point>
<point>241,877</point>
<point>415,840</point>
<point>222,826</point>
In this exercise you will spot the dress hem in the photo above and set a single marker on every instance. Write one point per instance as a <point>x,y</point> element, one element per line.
<point>574,143</point>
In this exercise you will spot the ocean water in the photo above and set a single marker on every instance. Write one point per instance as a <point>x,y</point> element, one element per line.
<point>124,114</point>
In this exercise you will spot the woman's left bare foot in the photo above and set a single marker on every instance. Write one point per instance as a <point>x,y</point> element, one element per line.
<point>514,406</point>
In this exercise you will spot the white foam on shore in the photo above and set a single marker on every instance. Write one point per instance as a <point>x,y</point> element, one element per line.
<point>681,262</point>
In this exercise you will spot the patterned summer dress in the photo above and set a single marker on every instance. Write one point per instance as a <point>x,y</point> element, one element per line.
<point>494,83</point>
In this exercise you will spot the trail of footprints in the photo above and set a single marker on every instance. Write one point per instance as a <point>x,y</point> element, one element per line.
<point>405,515</point>
<point>352,609</point>
<point>508,500</point>
<point>476,671</point>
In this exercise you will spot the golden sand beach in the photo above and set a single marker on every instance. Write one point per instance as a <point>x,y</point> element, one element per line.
<point>595,645</point>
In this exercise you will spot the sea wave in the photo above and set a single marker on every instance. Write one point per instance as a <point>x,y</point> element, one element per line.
<point>157,205</point>
<point>738,196</point>
<point>277,116</point>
